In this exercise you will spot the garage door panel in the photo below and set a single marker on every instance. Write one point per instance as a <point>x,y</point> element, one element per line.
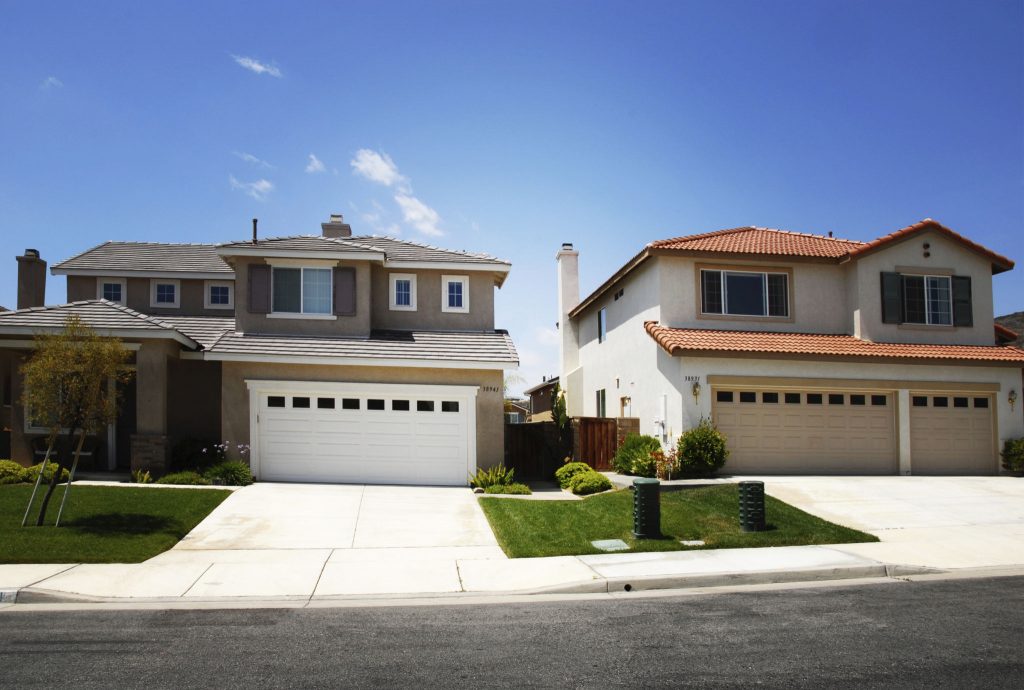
<point>951,440</point>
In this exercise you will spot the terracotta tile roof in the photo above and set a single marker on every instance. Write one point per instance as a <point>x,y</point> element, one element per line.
<point>766,241</point>
<point>998,260</point>
<point>677,341</point>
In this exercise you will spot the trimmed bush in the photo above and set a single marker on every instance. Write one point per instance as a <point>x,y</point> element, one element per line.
<point>589,483</point>
<point>513,489</point>
<point>11,472</point>
<point>565,473</point>
<point>499,475</point>
<point>197,453</point>
<point>230,473</point>
<point>32,473</point>
<point>634,455</point>
<point>186,477</point>
<point>702,450</point>
<point>1013,455</point>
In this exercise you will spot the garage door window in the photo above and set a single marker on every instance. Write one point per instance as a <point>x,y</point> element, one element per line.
<point>724,396</point>
<point>960,402</point>
<point>920,401</point>
<point>940,402</point>
<point>400,405</point>
<point>300,402</point>
<point>814,398</point>
<point>424,405</point>
<point>835,399</point>
<point>981,403</point>
<point>857,400</point>
<point>325,403</point>
<point>878,400</point>
<point>350,403</point>
<point>275,401</point>
<point>748,397</point>
<point>450,406</point>
<point>792,398</point>
<point>772,398</point>
<point>375,404</point>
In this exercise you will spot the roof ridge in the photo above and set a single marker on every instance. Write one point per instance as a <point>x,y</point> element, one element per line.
<point>936,225</point>
<point>751,228</point>
<point>421,245</point>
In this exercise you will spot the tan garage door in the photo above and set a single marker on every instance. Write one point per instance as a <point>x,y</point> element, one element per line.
<point>807,432</point>
<point>951,434</point>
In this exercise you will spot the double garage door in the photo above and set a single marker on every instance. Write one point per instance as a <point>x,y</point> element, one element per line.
<point>852,432</point>
<point>369,433</point>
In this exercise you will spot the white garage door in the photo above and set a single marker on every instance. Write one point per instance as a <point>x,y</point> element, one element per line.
<point>364,433</point>
<point>807,431</point>
<point>951,434</point>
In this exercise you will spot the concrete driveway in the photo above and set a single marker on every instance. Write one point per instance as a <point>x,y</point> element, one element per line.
<point>939,522</point>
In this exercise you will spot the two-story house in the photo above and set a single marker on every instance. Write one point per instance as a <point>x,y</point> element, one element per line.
<point>812,354</point>
<point>334,358</point>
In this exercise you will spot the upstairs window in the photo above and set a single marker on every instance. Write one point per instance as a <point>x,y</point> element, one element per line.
<point>403,292</point>
<point>926,300</point>
<point>744,293</point>
<point>219,295</point>
<point>602,327</point>
<point>112,289</point>
<point>165,293</point>
<point>455,294</point>
<point>301,290</point>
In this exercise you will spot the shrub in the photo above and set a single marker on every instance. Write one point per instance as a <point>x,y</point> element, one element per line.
<point>11,472</point>
<point>142,477</point>
<point>32,473</point>
<point>590,482</point>
<point>634,455</point>
<point>702,450</point>
<point>230,473</point>
<point>666,464</point>
<point>514,489</point>
<point>565,473</point>
<point>1013,455</point>
<point>186,477</point>
<point>499,475</point>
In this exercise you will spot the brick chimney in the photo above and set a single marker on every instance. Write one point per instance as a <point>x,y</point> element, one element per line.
<point>336,227</point>
<point>31,280</point>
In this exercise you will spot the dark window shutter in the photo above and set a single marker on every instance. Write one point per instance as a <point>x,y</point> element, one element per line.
<point>259,289</point>
<point>345,291</point>
<point>892,298</point>
<point>963,314</point>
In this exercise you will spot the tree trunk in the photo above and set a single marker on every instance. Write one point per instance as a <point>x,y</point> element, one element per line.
<point>53,485</point>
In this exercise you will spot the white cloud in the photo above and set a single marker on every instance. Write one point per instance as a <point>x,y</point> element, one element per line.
<point>254,65</point>
<point>377,167</point>
<point>315,165</point>
<point>249,158</point>
<point>51,83</point>
<point>418,214</point>
<point>257,190</point>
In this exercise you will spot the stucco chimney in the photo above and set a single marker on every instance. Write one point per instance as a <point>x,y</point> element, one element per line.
<point>568,299</point>
<point>336,227</point>
<point>31,280</point>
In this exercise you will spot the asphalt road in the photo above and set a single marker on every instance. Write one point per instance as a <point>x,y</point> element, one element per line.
<point>966,633</point>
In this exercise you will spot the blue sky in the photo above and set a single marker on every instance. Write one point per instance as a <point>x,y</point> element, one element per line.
<point>509,127</point>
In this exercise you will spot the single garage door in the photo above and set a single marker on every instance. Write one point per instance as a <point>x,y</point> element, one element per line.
<point>372,434</point>
<point>951,434</point>
<point>807,431</point>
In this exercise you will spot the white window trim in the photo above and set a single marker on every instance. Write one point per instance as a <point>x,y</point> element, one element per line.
<point>123,282</point>
<point>329,316</point>
<point>207,304</point>
<point>393,278</point>
<point>723,272</point>
<point>445,280</point>
<point>164,305</point>
<point>927,302</point>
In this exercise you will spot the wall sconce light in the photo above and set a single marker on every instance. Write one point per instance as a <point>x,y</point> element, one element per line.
<point>1012,398</point>
<point>695,390</point>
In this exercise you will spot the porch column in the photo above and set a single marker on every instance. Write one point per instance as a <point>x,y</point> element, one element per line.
<point>150,442</point>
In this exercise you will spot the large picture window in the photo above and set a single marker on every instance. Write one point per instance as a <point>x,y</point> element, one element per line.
<point>744,293</point>
<point>302,290</point>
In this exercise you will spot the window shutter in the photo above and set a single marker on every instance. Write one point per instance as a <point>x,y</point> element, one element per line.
<point>962,311</point>
<point>892,298</point>
<point>259,289</point>
<point>345,291</point>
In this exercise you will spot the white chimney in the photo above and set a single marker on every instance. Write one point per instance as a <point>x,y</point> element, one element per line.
<point>568,299</point>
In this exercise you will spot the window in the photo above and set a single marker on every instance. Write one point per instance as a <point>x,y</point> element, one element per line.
<point>926,300</point>
<point>218,295</point>
<point>835,399</point>
<point>792,398</point>
<point>771,398</point>
<point>275,401</point>
<point>300,402</point>
<point>455,294</point>
<point>403,292</point>
<point>814,398</point>
<point>748,397</point>
<point>740,293</point>
<point>450,406</point>
<point>920,401</point>
<point>112,289</point>
<point>980,403</point>
<point>601,403</point>
<point>960,402</point>
<point>374,404</point>
<point>424,405</point>
<point>602,326</point>
<point>400,405</point>
<point>350,403</point>
<point>857,400</point>
<point>165,293</point>
<point>724,396</point>
<point>940,401</point>
<point>301,290</point>
<point>325,403</point>
<point>878,400</point>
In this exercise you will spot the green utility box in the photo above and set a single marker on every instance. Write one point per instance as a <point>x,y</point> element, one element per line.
<point>752,507</point>
<point>646,508</point>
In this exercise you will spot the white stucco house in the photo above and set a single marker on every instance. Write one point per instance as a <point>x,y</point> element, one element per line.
<point>813,354</point>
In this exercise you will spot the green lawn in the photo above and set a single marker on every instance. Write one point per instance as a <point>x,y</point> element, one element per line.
<point>101,524</point>
<point>527,528</point>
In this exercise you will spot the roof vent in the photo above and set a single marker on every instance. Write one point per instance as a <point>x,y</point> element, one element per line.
<point>254,221</point>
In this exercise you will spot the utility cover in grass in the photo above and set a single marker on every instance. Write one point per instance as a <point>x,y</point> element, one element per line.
<point>610,545</point>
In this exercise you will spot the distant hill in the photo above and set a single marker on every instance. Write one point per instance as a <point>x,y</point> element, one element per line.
<point>1015,322</point>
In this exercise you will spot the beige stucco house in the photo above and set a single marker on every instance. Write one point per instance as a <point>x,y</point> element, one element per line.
<point>334,358</point>
<point>813,354</point>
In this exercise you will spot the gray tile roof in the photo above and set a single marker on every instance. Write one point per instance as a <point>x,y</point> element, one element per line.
<point>313,243</point>
<point>149,256</point>
<point>405,250</point>
<point>205,330</point>
<point>102,316</point>
<point>455,346</point>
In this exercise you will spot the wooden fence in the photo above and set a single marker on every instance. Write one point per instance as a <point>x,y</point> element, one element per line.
<point>536,449</point>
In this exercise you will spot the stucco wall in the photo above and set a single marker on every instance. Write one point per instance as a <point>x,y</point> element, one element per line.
<point>428,314</point>
<point>341,326</point>
<point>138,294</point>
<point>490,420</point>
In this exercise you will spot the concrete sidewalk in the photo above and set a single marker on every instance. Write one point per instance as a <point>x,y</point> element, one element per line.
<point>925,524</point>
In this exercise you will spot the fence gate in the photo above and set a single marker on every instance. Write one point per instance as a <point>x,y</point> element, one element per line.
<point>595,441</point>
<point>535,450</point>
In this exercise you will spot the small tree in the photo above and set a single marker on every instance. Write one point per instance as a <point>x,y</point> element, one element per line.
<point>67,388</point>
<point>558,413</point>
